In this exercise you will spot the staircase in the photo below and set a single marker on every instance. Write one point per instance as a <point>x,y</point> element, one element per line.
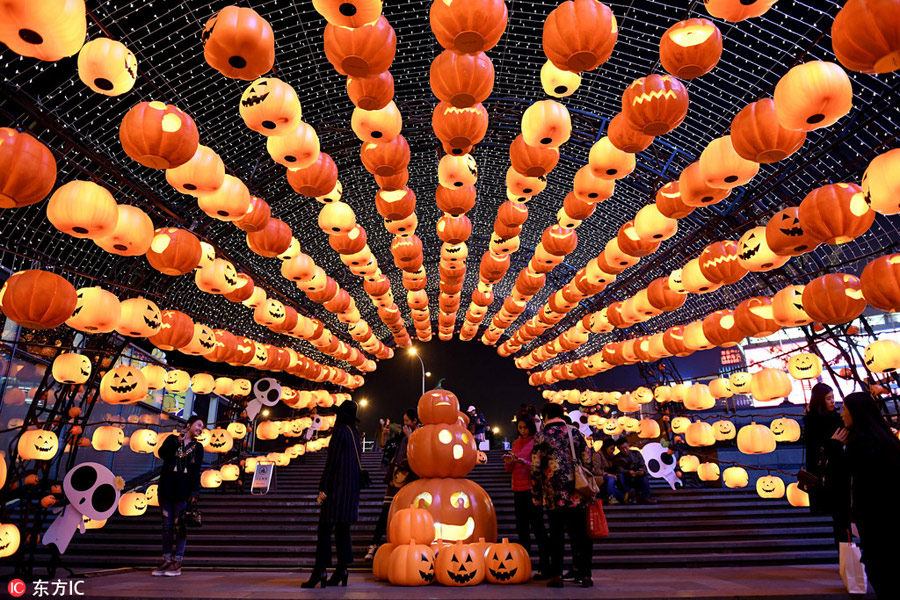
<point>694,527</point>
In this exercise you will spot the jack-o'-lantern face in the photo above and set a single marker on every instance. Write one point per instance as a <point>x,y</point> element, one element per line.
<point>457,171</point>
<point>37,444</point>
<point>132,504</point>
<point>882,356</point>
<point>805,365</point>
<point>454,252</point>
<point>220,441</point>
<point>724,430</point>
<point>242,387</point>
<point>71,368</point>
<point>237,430</point>
<point>139,318</point>
<point>211,478</point>
<point>108,437</point>
<point>270,106</point>
<point>680,424</point>
<point>740,382</point>
<point>612,427</point>
<point>770,486</point>
<point>785,235</point>
<point>754,253</point>
<point>460,508</point>
<point>143,441</point>
<point>481,458</point>
<point>501,246</point>
<point>152,495</point>
<point>459,565</point>
<point>123,385</point>
<point>203,341</point>
<point>9,539</point>
<point>177,381</point>
<point>203,438</point>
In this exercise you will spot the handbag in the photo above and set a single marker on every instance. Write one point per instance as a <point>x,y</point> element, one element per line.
<point>192,516</point>
<point>852,572</point>
<point>806,480</point>
<point>365,480</point>
<point>584,479</point>
<point>597,526</point>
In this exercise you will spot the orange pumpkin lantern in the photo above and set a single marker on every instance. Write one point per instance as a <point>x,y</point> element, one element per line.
<point>37,299</point>
<point>721,329</point>
<point>377,126</point>
<point>690,48</point>
<point>459,128</point>
<point>297,148</point>
<point>203,341</point>
<point>109,438</point>
<point>836,213</point>
<point>176,330</point>
<point>96,311</point>
<point>71,368</point>
<point>123,385</point>
<point>174,251</point>
<point>469,26</point>
<point>785,235</point>
<point>442,450</point>
<point>411,564</point>
<point>833,299</point>
<point>864,36</point>
<point>37,444</point>
<point>767,385</point>
<point>719,263</point>
<point>106,66</point>
<point>361,51</point>
<point>655,105</point>
<point>770,486</point>
<point>219,277</point>
<point>27,169</point>
<point>708,471</point>
<point>438,406</point>
<point>270,106</point>
<point>203,174</point>
<point>315,180</point>
<point>372,92</point>
<point>238,43</point>
<point>723,168</point>
<point>386,158</point>
<point>228,203</point>
<point>462,80</point>
<point>880,282</point>
<point>757,135</point>
<point>44,30</point>
<point>755,439</point>
<point>754,253</point>
<point>580,35</point>
<point>805,365</point>
<point>546,124</point>
<point>608,162</point>
<point>694,191</point>
<point>735,477</point>
<point>271,240</point>
<point>813,95</point>
<point>754,317</point>
<point>506,563</point>
<point>132,234</point>
<point>787,307</point>
<point>158,135</point>
<point>139,318</point>
<point>737,10</point>
<point>83,209</point>
<point>626,139</point>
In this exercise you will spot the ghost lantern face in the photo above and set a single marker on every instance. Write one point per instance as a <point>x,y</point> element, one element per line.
<point>267,391</point>
<point>90,489</point>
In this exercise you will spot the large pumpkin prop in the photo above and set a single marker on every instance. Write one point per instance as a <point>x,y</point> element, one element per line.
<point>461,509</point>
<point>506,562</point>
<point>411,565</point>
<point>442,450</point>
<point>411,524</point>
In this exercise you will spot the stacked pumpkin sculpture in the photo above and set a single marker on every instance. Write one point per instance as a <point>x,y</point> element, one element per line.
<point>435,520</point>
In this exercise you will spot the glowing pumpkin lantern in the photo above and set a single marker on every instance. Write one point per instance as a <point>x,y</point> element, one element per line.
<point>123,385</point>
<point>37,299</point>
<point>71,368</point>
<point>37,444</point>
<point>239,43</point>
<point>108,438</point>
<point>785,429</point>
<point>106,66</point>
<point>813,95</point>
<point>46,30</point>
<point>690,48</point>
<point>755,439</point>
<point>805,365</point>
<point>735,477</point>
<point>139,318</point>
<point>770,486</point>
<point>796,496</point>
<point>708,471</point>
<point>143,441</point>
<point>83,209</point>
<point>132,234</point>
<point>882,356</point>
<point>579,35</point>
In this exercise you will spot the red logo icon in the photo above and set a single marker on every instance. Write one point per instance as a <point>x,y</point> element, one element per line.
<point>16,588</point>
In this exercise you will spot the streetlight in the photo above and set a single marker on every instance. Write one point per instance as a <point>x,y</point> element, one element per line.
<point>413,352</point>
<point>364,402</point>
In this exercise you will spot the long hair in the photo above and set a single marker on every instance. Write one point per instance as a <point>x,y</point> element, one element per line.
<point>869,423</point>
<point>817,405</point>
<point>529,423</point>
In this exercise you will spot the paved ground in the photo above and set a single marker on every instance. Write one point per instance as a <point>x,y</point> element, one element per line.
<point>810,582</point>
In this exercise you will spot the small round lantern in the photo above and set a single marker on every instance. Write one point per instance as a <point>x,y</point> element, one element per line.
<point>813,95</point>
<point>690,48</point>
<point>239,43</point>
<point>106,66</point>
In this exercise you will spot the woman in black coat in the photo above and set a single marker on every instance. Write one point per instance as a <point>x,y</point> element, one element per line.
<point>179,481</point>
<point>339,497</point>
<point>873,459</point>
<point>824,459</point>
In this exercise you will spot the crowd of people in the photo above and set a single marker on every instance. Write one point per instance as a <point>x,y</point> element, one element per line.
<point>852,462</point>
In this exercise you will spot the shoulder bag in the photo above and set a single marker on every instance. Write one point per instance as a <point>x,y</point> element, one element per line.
<point>192,516</point>
<point>584,479</point>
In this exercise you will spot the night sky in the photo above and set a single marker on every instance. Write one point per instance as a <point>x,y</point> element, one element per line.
<point>471,370</point>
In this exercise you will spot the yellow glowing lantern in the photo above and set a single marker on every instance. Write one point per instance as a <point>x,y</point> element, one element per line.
<point>785,429</point>
<point>755,439</point>
<point>720,387</point>
<point>557,82</point>
<point>155,376</point>
<point>230,472</point>
<point>220,441</point>
<point>108,437</point>
<point>805,365</point>
<point>107,67</point>
<point>177,381</point>
<point>211,478</point>
<point>37,444</point>
<point>767,385</point>
<point>796,496</point>
<point>132,504</point>
<point>882,356</point>
<point>708,471</point>
<point>546,124</point>
<point>202,383</point>
<point>143,441</point>
<point>699,434</point>
<point>680,424</point>
<point>770,486</point>
<point>238,431</point>
<point>71,367</point>
<point>139,318</point>
<point>740,382</point>
<point>735,477</point>
<point>699,397</point>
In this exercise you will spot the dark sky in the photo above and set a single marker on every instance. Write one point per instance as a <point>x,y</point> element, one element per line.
<point>471,370</point>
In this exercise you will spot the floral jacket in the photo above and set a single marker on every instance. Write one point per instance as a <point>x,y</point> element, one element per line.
<point>552,470</point>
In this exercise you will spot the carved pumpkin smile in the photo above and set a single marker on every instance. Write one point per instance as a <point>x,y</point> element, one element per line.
<point>463,573</point>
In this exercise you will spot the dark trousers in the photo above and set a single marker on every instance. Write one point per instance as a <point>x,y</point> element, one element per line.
<point>530,522</point>
<point>640,484</point>
<point>381,525</point>
<point>569,521</point>
<point>341,540</point>
<point>174,533</point>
